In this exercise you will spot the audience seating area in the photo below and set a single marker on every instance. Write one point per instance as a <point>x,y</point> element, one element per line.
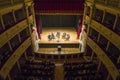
<point>80,71</point>
<point>46,70</point>
<point>38,70</point>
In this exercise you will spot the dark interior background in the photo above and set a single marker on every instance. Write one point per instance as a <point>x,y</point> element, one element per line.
<point>59,20</point>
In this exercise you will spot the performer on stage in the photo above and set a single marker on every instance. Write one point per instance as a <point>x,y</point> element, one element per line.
<point>67,37</point>
<point>53,37</point>
<point>49,37</point>
<point>58,34</point>
<point>64,35</point>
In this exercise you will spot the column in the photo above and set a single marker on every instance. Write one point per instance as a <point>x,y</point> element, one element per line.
<point>98,68</point>
<point>13,12</point>
<point>9,77</point>
<point>18,65</point>
<point>108,77</point>
<point>12,2</point>
<point>107,45</point>
<point>91,58</point>
<point>103,16</point>
<point>98,37</point>
<point>115,21</point>
<point>26,57</point>
<point>10,46</point>
<point>91,11</point>
<point>33,13</point>
<point>2,22</point>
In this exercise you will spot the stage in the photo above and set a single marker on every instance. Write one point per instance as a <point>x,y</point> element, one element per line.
<point>69,30</point>
<point>46,45</point>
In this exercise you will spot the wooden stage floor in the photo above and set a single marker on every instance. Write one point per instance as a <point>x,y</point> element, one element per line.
<point>67,46</point>
<point>69,30</point>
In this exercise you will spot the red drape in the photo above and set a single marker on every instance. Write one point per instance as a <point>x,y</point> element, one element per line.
<point>38,27</point>
<point>80,27</point>
<point>59,6</point>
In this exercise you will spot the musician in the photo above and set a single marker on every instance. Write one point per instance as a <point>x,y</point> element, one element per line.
<point>52,35</point>
<point>67,37</point>
<point>64,35</point>
<point>58,34</point>
<point>49,37</point>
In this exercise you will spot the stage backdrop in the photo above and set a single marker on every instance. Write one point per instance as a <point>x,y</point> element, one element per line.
<point>59,20</point>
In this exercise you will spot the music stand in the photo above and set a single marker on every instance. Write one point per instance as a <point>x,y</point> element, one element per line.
<point>59,47</point>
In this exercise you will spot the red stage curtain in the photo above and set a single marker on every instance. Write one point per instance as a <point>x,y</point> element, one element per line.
<point>79,27</point>
<point>59,6</point>
<point>38,26</point>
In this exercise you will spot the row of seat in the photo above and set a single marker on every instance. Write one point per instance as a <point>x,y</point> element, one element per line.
<point>88,66</point>
<point>80,71</point>
<point>38,70</point>
<point>44,70</point>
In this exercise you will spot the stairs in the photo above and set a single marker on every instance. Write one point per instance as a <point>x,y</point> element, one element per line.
<point>59,74</point>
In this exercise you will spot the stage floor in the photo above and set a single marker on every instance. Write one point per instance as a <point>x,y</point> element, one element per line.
<point>69,30</point>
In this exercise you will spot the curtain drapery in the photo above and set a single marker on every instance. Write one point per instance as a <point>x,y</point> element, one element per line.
<point>79,27</point>
<point>38,26</point>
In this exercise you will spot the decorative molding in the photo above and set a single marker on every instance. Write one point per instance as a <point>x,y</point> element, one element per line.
<point>10,33</point>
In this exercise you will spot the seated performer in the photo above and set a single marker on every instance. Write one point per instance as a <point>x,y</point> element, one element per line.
<point>67,37</point>
<point>53,37</point>
<point>58,34</point>
<point>49,37</point>
<point>64,35</point>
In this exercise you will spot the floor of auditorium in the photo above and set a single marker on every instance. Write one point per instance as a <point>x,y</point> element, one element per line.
<point>69,30</point>
<point>59,72</point>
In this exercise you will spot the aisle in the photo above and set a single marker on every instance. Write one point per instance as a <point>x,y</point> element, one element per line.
<point>59,72</point>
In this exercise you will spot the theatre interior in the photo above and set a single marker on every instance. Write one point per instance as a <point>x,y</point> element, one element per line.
<point>59,39</point>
